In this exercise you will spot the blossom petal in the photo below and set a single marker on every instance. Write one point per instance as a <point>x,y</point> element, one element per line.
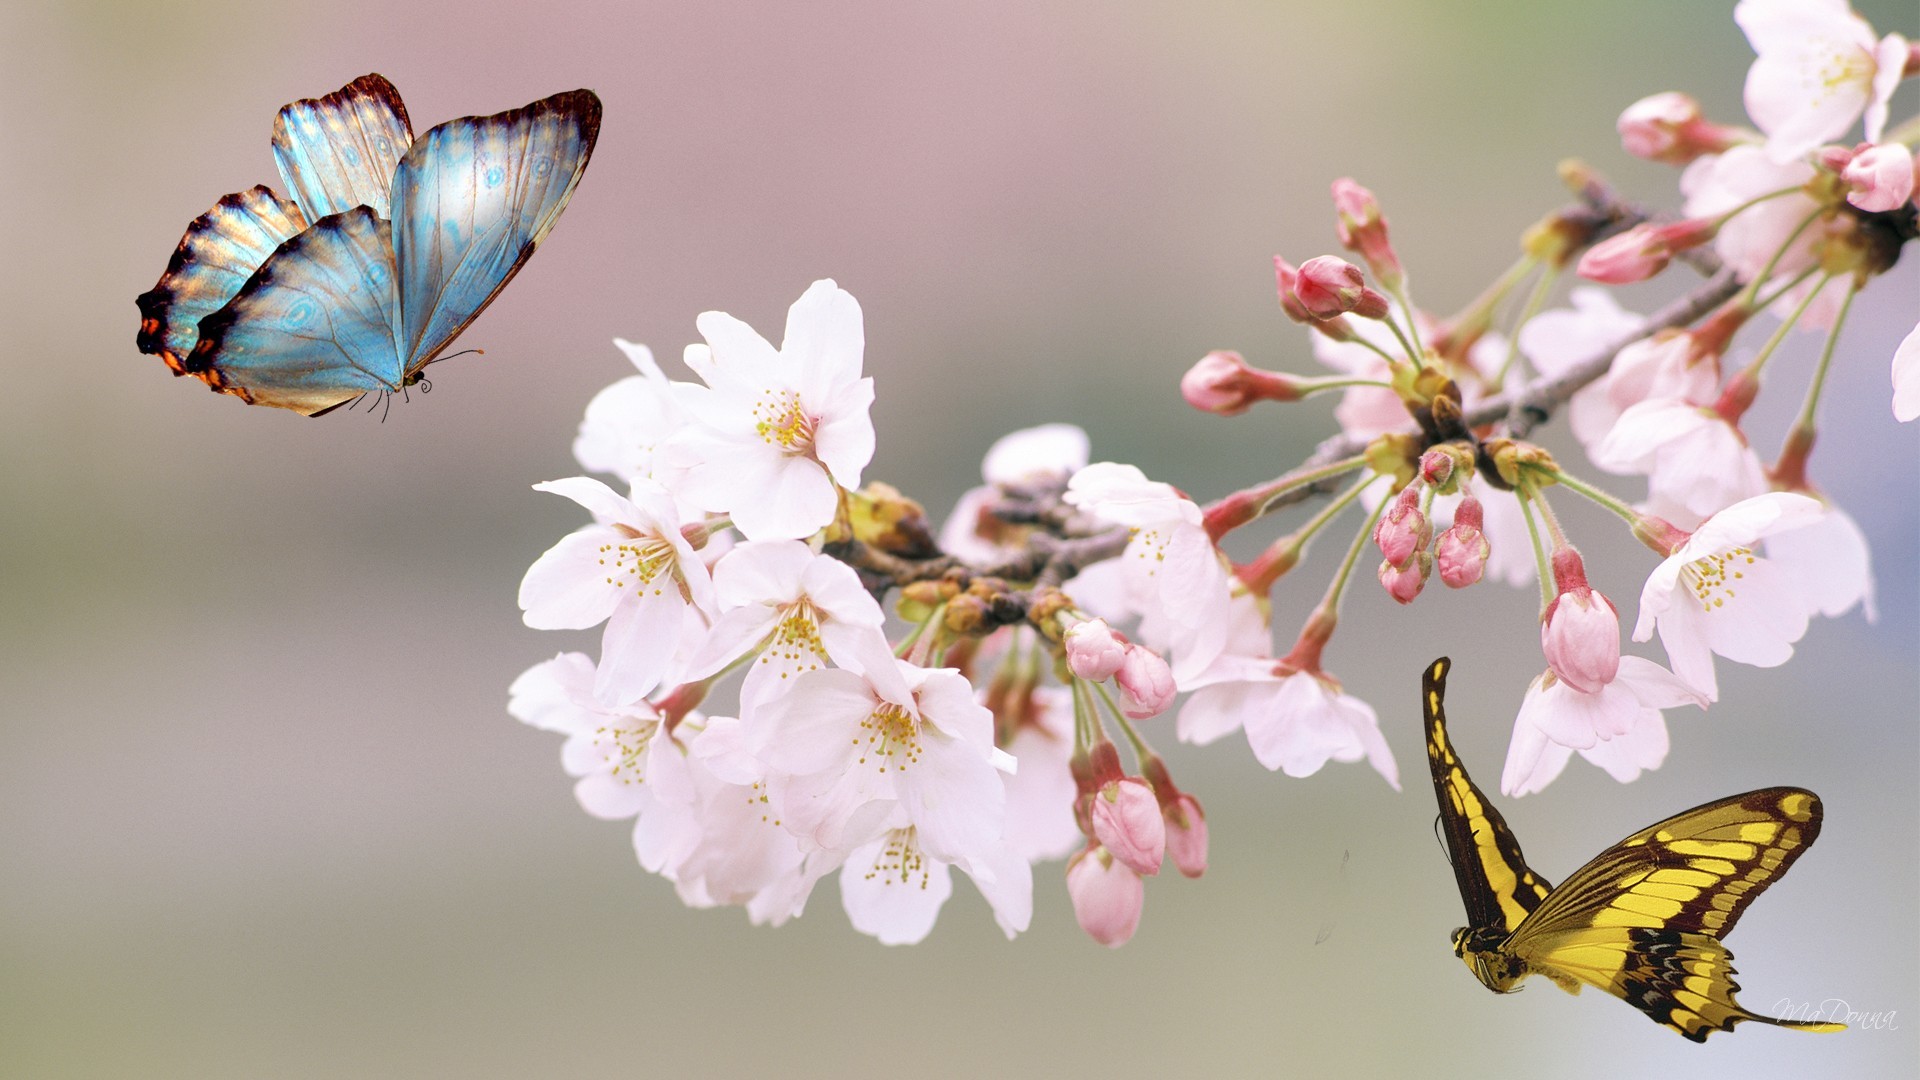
<point>566,588</point>
<point>1906,377</point>
<point>888,901</point>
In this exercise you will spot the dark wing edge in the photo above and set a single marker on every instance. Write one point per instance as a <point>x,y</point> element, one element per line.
<point>221,249</point>
<point>583,108</point>
<point>1681,980</point>
<point>339,151</point>
<point>1496,885</point>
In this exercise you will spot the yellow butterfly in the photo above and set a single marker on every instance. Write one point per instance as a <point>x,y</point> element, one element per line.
<point>1644,919</point>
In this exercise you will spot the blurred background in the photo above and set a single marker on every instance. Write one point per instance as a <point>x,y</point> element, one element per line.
<point>263,813</point>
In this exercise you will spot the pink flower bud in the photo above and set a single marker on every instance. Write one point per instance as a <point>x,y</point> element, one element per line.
<point>1330,286</point>
<point>1403,530</point>
<point>1580,633</point>
<point>1221,383</point>
<point>1363,230</point>
<point>1436,467</point>
<point>1107,896</point>
<point>1668,127</point>
<point>1287,277</point>
<point>1094,651</point>
<point>1186,834</point>
<point>1879,177</point>
<point>1461,552</point>
<point>1126,818</point>
<point>1146,683</point>
<point>1403,583</point>
<point>1643,251</point>
<point>1651,127</point>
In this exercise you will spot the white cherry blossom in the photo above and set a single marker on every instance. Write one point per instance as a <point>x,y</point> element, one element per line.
<point>1047,453</point>
<point>1716,593</point>
<point>844,751</point>
<point>893,889</point>
<point>1040,822</point>
<point>631,568</point>
<point>1817,68</point>
<point>1174,575</point>
<point>802,610</point>
<point>1619,727</point>
<point>628,421</point>
<point>1692,456</point>
<point>1906,377</point>
<point>777,432</point>
<point>1830,562</point>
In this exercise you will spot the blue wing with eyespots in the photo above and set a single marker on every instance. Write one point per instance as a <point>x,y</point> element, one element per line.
<point>339,151</point>
<point>313,327</point>
<point>222,249</point>
<point>471,201</point>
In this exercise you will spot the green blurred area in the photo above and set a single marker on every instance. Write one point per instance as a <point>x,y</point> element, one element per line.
<point>262,812</point>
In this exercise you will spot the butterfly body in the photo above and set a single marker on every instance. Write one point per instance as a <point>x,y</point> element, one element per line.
<point>387,249</point>
<point>1643,919</point>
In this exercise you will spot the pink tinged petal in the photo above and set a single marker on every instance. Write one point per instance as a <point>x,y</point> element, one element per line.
<point>1126,818</point>
<point>813,727</point>
<point>1768,613</point>
<point>1039,807</point>
<point>1655,687</point>
<point>892,891</point>
<point>1889,67</point>
<point>1036,453</point>
<point>1830,562</point>
<point>1684,635</point>
<point>1572,718</point>
<point>566,588</point>
<point>834,588</point>
<point>1008,889</point>
<point>761,572</point>
<point>1187,835</point>
<point>739,352</point>
<point>1581,640</point>
<point>733,635</point>
<point>945,700</point>
<point>605,504</point>
<point>1906,377</point>
<point>825,338</point>
<point>663,839</point>
<point>722,750</point>
<point>1644,746</point>
<point>864,649</point>
<point>1217,710</point>
<point>1533,761</point>
<point>790,501</point>
<point>843,440</point>
<point>548,695</point>
<point>956,798</point>
<point>608,798</point>
<point>835,810</point>
<point>638,646</point>
<point>1107,897</point>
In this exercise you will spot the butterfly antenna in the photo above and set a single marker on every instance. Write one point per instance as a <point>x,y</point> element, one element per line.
<point>386,396</point>
<point>451,355</point>
<point>426,385</point>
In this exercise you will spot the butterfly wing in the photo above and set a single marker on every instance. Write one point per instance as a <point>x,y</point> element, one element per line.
<point>1497,886</point>
<point>472,199</point>
<point>221,250</point>
<point>313,327</point>
<point>339,151</point>
<point>1643,919</point>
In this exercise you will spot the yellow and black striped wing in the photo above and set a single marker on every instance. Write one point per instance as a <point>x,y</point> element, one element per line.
<point>1496,884</point>
<point>1643,920</point>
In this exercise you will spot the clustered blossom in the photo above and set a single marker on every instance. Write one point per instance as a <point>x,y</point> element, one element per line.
<point>801,676</point>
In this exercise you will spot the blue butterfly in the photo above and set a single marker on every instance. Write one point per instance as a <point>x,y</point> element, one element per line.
<point>388,248</point>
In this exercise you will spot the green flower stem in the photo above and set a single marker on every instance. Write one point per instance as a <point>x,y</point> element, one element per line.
<point>1414,351</point>
<point>1766,301</point>
<point>1580,487</point>
<point>1805,421</point>
<point>1752,370</point>
<point>1141,751</point>
<point>1541,568</point>
<point>1330,604</point>
<point>1753,287</point>
<point>1535,301</point>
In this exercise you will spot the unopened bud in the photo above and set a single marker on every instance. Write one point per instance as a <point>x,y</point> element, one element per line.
<point>1402,530</point>
<point>1145,682</point>
<point>1879,178</point>
<point>1580,632</point>
<point>1403,583</point>
<point>1186,834</point>
<point>1669,128</point>
<point>1094,651</point>
<point>1461,553</point>
<point>1107,896</point>
<point>1328,286</point>
<point>1643,251</point>
<point>1363,230</point>
<point>1126,818</point>
<point>1223,384</point>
